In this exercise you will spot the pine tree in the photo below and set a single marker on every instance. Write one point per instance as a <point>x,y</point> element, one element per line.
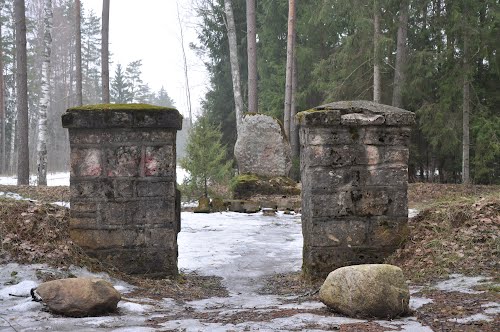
<point>120,87</point>
<point>205,157</point>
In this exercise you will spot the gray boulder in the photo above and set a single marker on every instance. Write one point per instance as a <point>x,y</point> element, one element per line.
<point>78,297</point>
<point>262,147</point>
<point>369,290</point>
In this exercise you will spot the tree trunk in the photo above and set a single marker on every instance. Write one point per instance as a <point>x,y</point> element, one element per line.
<point>23,169</point>
<point>3,156</point>
<point>294,128</point>
<point>399,71</point>
<point>289,67</point>
<point>105,52</point>
<point>78,54</point>
<point>377,88</point>
<point>233,58</point>
<point>253,106</point>
<point>45,100</point>
<point>466,113</point>
<point>186,76</point>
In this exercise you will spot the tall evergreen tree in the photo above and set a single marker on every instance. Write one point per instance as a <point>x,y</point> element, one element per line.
<point>253,106</point>
<point>205,159</point>
<point>23,170</point>
<point>105,52</point>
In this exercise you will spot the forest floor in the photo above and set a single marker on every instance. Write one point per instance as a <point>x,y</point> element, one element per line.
<point>451,261</point>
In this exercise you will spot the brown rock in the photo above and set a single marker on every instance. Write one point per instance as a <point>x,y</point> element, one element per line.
<point>79,297</point>
<point>368,290</point>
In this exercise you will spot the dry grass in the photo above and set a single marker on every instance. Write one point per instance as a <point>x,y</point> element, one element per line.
<point>459,235</point>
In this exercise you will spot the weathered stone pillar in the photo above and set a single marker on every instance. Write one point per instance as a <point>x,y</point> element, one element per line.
<point>354,166</point>
<point>124,202</point>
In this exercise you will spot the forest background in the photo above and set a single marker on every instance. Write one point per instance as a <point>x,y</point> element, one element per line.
<point>449,65</point>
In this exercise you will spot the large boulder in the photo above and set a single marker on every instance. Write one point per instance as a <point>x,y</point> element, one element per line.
<point>262,147</point>
<point>369,290</point>
<point>78,297</point>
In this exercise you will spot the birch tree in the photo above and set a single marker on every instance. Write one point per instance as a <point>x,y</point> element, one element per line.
<point>253,106</point>
<point>23,170</point>
<point>45,100</point>
<point>184,59</point>
<point>3,156</point>
<point>105,51</point>
<point>235,69</point>
<point>78,52</point>
<point>289,67</point>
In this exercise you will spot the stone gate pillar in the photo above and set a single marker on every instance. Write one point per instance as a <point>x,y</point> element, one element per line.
<point>124,203</point>
<point>354,166</point>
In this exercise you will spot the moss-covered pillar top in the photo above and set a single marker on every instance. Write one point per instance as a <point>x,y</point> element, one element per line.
<point>122,116</point>
<point>355,113</point>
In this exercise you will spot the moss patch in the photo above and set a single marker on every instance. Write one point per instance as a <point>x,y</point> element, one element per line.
<point>248,185</point>
<point>121,107</point>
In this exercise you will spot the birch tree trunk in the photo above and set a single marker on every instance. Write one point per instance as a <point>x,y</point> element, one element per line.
<point>105,52</point>
<point>233,58</point>
<point>377,88</point>
<point>186,76</point>
<point>78,53</point>
<point>399,71</point>
<point>289,67</point>
<point>23,169</point>
<point>3,156</point>
<point>45,100</point>
<point>253,106</point>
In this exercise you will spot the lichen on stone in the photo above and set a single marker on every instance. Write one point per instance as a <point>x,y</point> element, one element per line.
<point>121,107</point>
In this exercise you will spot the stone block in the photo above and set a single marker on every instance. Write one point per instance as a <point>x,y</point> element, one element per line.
<point>318,118</point>
<point>336,232</point>
<point>339,204</point>
<point>121,116</point>
<point>159,161</point>
<point>146,188</point>
<point>86,162</point>
<point>370,202</point>
<point>154,263</point>
<point>123,161</point>
<point>388,232</point>
<point>387,136</point>
<point>360,119</point>
<point>331,135</point>
<point>123,188</point>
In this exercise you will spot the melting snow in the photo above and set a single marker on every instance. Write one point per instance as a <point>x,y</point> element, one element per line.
<point>462,284</point>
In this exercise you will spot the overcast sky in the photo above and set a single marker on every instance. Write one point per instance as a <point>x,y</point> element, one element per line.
<point>149,30</point>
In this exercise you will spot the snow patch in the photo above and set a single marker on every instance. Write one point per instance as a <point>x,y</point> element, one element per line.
<point>418,302</point>
<point>21,289</point>
<point>492,308</point>
<point>132,307</point>
<point>461,283</point>
<point>471,319</point>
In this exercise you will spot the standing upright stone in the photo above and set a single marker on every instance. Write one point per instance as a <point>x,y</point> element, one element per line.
<point>354,167</point>
<point>262,147</point>
<point>124,203</point>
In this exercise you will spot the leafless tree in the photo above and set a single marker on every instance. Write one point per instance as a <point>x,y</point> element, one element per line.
<point>233,58</point>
